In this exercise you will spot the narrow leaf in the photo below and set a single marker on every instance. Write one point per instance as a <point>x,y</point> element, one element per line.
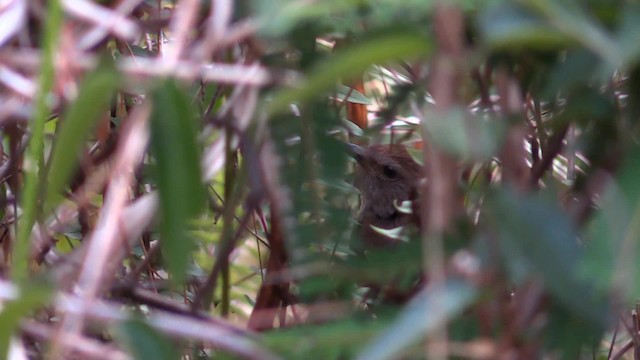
<point>428,311</point>
<point>29,298</point>
<point>351,95</point>
<point>178,174</point>
<point>34,154</point>
<point>350,61</point>
<point>144,342</point>
<point>79,120</point>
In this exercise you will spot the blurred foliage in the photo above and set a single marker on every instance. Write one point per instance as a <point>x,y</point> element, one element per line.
<point>534,102</point>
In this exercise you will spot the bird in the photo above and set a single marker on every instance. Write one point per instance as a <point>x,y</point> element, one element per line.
<point>386,176</point>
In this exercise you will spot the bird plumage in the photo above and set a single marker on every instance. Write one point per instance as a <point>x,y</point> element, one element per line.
<point>386,176</point>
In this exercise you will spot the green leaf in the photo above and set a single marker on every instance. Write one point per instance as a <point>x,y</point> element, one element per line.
<point>93,100</point>
<point>578,67</point>
<point>29,299</point>
<point>249,300</point>
<point>290,13</point>
<point>612,236</point>
<point>351,61</point>
<point>538,237</point>
<point>464,135</point>
<point>34,159</point>
<point>511,25</point>
<point>629,34</point>
<point>318,340</point>
<point>144,342</point>
<point>352,128</point>
<point>178,174</point>
<point>355,96</point>
<point>427,312</point>
<point>568,333</point>
<point>573,22</point>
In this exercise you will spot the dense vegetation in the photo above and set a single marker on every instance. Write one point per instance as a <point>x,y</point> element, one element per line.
<point>175,181</point>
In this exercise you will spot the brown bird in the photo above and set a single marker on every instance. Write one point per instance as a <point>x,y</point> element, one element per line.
<point>386,175</point>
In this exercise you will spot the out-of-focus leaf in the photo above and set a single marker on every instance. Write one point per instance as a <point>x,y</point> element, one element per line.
<point>416,154</point>
<point>538,235</point>
<point>249,300</point>
<point>350,61</point>
<point>629,34</point>
<point>66,243</point>
<point>510,25</point>
<point>568,332</point>
<point>429,310</point>
<point>315,342</point>
<point>355,96</point>
<point>612,238</point>
<point>385,264</point>
<point>579,66</point>
<point>462,134</point>
<point>29,298</point>
<point>34,159</point>
<point>290,13</point>
<point>352,128</point>
<point>178,174</point>
<point>12,16</point>
<point>570,19</point>
<point>144,342</point>
<point>93,99</point>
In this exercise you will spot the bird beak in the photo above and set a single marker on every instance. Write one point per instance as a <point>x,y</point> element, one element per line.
<point>356,151</point>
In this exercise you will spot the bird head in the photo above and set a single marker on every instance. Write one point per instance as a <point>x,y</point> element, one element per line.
<point>384,174</point>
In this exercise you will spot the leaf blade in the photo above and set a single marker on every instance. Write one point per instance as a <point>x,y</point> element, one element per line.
<point>178,174</point>
<point>79,120</point>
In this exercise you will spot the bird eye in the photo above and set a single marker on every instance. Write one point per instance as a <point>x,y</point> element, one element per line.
<point>389,172</point>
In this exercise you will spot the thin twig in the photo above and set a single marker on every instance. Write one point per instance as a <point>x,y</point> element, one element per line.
<point>173,325</point>
<point>79,345</point>
<point>108,233</point>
